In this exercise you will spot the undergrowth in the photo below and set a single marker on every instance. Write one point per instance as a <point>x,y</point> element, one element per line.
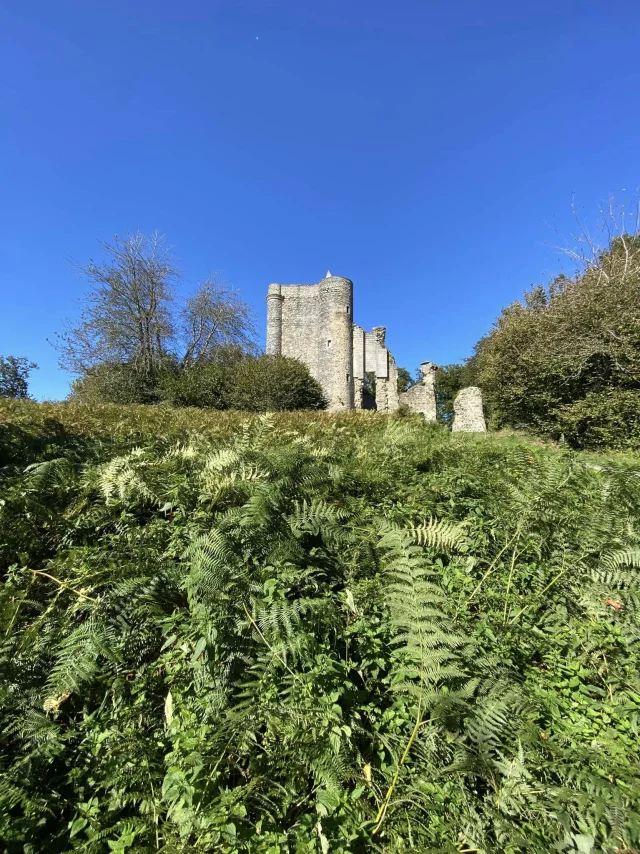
<point>313,633</point>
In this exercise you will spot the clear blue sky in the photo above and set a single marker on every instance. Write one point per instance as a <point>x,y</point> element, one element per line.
<point>420,147</point>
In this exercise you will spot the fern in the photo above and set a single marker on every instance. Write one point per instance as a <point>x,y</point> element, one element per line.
<point>221,632</point>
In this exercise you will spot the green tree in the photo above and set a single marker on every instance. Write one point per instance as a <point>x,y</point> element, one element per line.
<point>273,383</point>
<point>579,337</point>
<point>14,376</point>
<point>405,380</point>
<point>449,380</point>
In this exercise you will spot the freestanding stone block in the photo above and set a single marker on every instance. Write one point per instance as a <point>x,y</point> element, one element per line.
<point>468,414</point>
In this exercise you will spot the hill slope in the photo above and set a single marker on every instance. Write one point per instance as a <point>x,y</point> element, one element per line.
<point>312,633</point>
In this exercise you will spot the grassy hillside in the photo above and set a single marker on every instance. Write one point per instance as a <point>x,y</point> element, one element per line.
<point>313,632</point>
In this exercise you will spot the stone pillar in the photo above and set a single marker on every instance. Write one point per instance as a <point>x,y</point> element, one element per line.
<point>428,371</point>
<point>274,320</point>
<point>382,373</point>
<point>358,366</point>
<point>335,346</point>
<point>468,413</point>
<point>386,373</point>
<point>393,398</point>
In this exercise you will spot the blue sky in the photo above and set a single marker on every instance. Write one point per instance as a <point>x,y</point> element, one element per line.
<point>427,150</point>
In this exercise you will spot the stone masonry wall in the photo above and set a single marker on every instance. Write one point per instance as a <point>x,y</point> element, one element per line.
<point>301,313</point>
<point>468,416</point>
<point>421,397</point>
<point>314,324</point>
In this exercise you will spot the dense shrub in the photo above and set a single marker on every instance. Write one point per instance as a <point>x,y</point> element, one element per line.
<point>306,632</point>
<point>207,387</point>
<point>269,383</point>
<point>576,340</point>
<point>273,383</point>
<point>601,420</point>
<point>117,383</point>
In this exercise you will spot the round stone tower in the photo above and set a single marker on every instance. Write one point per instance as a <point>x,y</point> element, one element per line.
<point>335,344</point>
<point>274,320</point>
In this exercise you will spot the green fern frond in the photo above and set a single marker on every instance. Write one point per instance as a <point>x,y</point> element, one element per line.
<point>78,657</point>
<point>439,534</point>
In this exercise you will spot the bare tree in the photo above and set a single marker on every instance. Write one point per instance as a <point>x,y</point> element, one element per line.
<point>131,316</point>
<point>126,316</point>
<point>214,320</point>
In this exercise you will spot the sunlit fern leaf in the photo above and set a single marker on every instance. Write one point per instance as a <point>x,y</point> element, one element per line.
<point>78,656</point>
<point>220,460</point>
<point>440,534</point>
<point>122,478</point>
<point>315,516</point>
<point>423,634</point>
<point>211,562</point>
<point>623,557</point>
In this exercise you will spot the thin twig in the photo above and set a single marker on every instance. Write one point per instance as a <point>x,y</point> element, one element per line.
<point>550,584</point>
<point>492,567</point>
<point>385,804</point>
<point>61,584</point>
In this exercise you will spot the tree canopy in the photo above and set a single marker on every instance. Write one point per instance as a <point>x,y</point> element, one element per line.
<point>132,314</point>
<point>14,376</point>
<point>579,337</point>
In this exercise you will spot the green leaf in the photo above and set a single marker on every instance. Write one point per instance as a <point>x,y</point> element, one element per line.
<point>198,650</point>
<point>584,842</point>
<point>168,708</point>
<point>78,825</point>
<point>168,642</point>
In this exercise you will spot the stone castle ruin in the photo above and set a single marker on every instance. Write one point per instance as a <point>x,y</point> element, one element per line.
<point>314,324</point>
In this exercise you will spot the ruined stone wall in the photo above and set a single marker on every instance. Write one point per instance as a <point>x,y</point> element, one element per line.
<point>358,366</point>
<point>468,415</point>
<point>314,324</point>
<point>379,361</point>
<point>421,397</point>
<point>393,396</point>
<point>387,398</point>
